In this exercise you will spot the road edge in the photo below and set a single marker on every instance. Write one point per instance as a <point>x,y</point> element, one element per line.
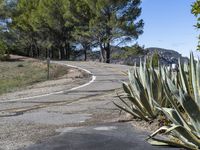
<point>58,92</point>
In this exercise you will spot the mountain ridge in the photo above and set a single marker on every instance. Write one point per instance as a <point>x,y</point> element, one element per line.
<point>167,56</point>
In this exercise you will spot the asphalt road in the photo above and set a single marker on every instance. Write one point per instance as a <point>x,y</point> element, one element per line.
<point>79,119</point>
<point>110,136</point>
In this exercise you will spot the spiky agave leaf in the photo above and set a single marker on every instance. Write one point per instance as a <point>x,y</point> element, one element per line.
<point>189,76</point>
<point>183,78</point>
<point>184,138</point>
<point>144,87</point>
<point>138,108</point>
<point>186,130</point>
<point>191,108</point>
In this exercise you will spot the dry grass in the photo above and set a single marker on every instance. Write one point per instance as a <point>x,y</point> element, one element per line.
<point>19,74</point>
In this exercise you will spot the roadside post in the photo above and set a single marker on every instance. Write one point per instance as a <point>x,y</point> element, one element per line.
<point>48,68</point>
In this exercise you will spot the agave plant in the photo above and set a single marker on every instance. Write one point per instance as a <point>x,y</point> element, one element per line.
<point>189,76</point>
<point>185,128</point>
<point>144,87</point>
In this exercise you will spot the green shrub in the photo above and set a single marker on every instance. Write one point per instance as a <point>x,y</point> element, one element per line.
<point>133,51</point>
<point>3,50</point>
<point>20,65</point>
<point>129,51</point>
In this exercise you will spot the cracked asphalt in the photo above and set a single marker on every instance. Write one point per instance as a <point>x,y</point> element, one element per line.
<point>82,119</point>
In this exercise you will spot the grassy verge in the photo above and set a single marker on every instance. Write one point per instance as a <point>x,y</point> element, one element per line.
<point>19,74</point>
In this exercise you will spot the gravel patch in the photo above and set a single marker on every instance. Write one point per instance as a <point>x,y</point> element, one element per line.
<point>51,118</point>
<point>15,135</point>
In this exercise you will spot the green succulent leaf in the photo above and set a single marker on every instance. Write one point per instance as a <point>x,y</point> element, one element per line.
<point>198,81</point>
<point>185,136</point>
<point>182,90</point>
<point>183,78</point>
<point>144,87</point>
<point>172,115</point>
<point>162,142</point>
<point>193,76</point>
<point>127,109</point>
<point>126,88</point>
<point>191,108</point>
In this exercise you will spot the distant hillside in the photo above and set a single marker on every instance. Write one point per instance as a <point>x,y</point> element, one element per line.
<point>167,56</point>
<point>121,56</point>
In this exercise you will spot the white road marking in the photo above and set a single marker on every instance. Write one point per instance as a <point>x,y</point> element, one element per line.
<point>106,128</point>
<point>59,92</point>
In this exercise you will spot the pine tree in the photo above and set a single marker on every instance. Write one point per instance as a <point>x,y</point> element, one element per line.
<point>22,25</point>
<point>7,8</point>
<point>80,15</point>
<point>114,19</point>
<point>196,12</point>
<point>44,24</point>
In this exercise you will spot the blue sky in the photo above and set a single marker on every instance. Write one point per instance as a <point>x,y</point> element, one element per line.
<point>169,24</point>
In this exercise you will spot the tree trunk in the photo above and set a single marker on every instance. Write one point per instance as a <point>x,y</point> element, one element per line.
<point>37,50</point>
<point>50,55</point>
<point>85,47</point>
<point>85,51</point>
<point>59,54</point>
<point>62,53</point>
<point>32,51</point>
<point>68,51</point>
<point>46,53</point>
<point>108,53</point>
<point>102,53</point>
<point>65,52</point>
<point>28,52</point>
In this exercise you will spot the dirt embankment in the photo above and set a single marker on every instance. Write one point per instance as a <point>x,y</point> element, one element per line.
<point>62,78</point>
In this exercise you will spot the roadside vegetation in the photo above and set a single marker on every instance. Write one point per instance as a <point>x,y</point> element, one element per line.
<point>52,28</point>
<point>129,51</point>
<point>41,28</point>
<point>196,12</point>
<point>19,74</point>
<point>4,54</point>
<point>152,93</point>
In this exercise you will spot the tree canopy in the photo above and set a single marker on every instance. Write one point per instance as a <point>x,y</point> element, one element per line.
<point>196,12</point>
<point>41,28</point>
<point>114,19</point>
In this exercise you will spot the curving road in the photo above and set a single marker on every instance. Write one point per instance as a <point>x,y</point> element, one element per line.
<point>82,118</point>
